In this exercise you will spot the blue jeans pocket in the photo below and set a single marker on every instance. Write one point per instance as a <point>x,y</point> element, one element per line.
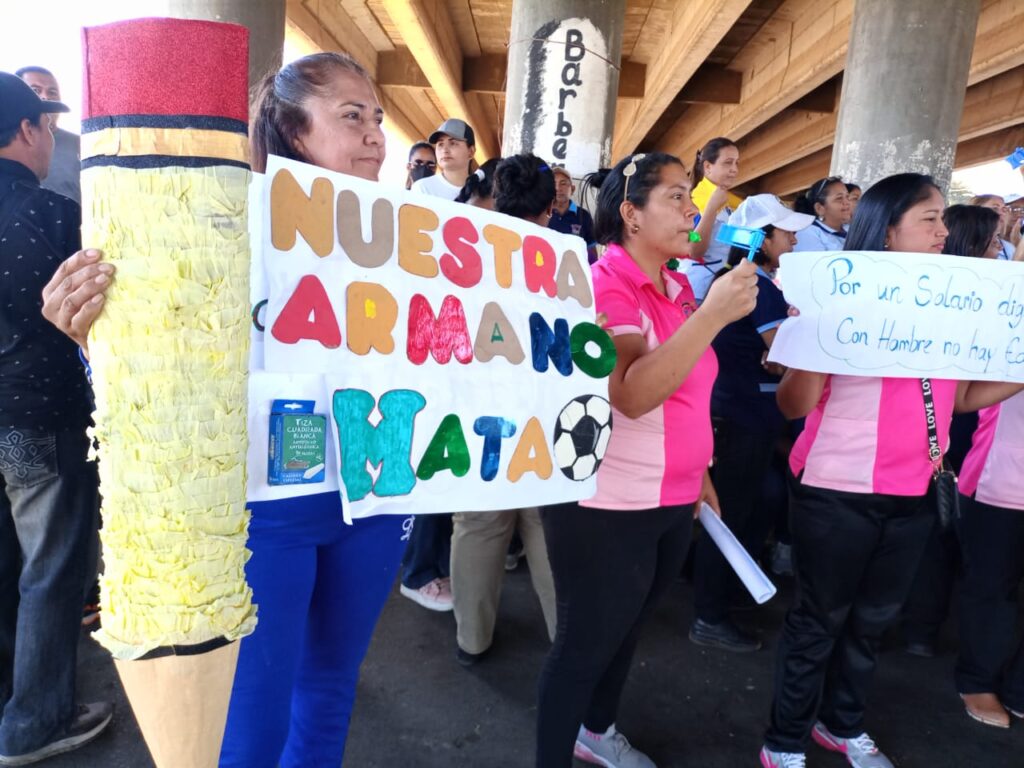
<point>28,456</point>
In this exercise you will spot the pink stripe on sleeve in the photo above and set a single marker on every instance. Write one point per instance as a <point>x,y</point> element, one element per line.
<point>981,445</point>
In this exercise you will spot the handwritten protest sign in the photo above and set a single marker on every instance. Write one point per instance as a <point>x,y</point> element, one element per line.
<point>458,345</point>
<point>903,314</point>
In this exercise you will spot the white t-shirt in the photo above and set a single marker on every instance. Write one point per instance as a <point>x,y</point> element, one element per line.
<point>438,186</point>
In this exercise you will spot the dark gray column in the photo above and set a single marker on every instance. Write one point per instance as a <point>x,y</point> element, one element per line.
<point>563,80</point>
<point>903,89</point>
<point>264,18</point>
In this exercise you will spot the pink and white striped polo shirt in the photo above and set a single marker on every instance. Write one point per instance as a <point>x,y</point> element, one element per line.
<point>994,466</point>
<point>868,435</point>
<point>658,459</point>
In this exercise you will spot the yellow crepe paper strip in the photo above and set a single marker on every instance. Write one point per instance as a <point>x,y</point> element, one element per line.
<point>169,356</point>
<point>177,142</point>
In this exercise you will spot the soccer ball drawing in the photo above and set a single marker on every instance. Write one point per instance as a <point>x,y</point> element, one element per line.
<point>581,436</point>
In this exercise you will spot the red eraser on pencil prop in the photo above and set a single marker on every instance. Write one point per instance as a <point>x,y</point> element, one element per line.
<point>166,67</point>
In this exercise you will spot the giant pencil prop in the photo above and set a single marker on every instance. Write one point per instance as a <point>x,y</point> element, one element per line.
<point>164,180</point>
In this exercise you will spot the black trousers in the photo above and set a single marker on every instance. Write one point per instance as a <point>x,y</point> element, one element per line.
<point>855,556</point>
<point>609,568</point>
<point>929,601</point>
<point>991,658</point>
<point>742,459</point>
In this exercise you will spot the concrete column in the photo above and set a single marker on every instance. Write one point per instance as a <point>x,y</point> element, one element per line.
<point>264,18</point>
<point>903,89</point>
<point>563,80</point>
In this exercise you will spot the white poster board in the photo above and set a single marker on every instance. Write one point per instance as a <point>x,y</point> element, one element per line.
<point>463,368</point>
<point>905,315</point>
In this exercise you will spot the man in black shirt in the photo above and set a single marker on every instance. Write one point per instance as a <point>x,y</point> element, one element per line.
<point>48,489</point>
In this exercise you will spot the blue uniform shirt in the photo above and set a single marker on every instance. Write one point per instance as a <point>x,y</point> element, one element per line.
<point>576,221</point>
<point>744,391</point>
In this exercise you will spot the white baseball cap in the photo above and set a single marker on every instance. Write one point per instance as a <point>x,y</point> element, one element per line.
<point>759,211</point>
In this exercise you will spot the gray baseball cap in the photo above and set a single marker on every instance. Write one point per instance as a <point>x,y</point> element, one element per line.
<point>457,129</point>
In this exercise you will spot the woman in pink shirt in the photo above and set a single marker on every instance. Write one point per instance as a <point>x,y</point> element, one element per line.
<point>990,667</point>
<point>612,556</point>
<point>858,517</point>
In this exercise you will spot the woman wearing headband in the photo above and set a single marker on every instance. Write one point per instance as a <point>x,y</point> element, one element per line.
<point>829,202</point>
<point>614,555</point>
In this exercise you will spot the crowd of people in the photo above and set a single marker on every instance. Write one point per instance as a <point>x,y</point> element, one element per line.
<point>700,417</point>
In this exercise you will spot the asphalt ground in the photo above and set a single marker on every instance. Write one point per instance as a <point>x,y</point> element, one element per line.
<point>684,705</point>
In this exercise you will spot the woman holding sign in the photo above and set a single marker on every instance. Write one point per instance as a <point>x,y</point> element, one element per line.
<point>858,513</point>
<point>614,555</point>
<point>320,584</point>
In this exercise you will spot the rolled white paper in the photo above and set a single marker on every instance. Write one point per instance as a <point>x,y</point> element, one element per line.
<point>750,573</point>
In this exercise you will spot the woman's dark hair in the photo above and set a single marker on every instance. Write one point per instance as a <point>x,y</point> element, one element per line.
<point>816,194</point>
<point>709,154</point>
<point>738,254</point>
<point>418,146</point>
<point>883,205</point>
<point>611,182</point>
<point>850,186</point>
<point>524,186</point>
<point>480,183</point>
<point>971,229</point>
<point>279,111</point>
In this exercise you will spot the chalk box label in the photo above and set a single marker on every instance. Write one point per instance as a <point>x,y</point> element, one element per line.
<point>298,443</point>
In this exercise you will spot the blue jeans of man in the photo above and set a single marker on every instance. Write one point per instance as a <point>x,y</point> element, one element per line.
<point>49,494</point>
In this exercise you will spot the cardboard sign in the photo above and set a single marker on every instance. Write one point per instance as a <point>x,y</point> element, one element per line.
<point>463,367</point>
<point>906,315</point>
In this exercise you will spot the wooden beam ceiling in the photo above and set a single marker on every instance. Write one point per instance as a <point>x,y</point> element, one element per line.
<point>989,106</point>
<point>796,176</point>
<point>764,72</point>
<point>312,34</point>
<point>800,48</point>
<point>786,138</point>
<point>712,84</point>
<point>999,41</point>
<point>698,26</point>
<point>994,104</point>
<point>484,74</point>
<point>985,149</point>
<point>994,101</point>
<point>426,28</point>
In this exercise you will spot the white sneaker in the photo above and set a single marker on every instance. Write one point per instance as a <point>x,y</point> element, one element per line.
<point>610,749</point>
<point>860,751</point>
<point>434,596</point>
<point>771,759</point>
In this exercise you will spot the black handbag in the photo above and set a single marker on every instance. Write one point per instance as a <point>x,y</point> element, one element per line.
<point>944,494</point>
